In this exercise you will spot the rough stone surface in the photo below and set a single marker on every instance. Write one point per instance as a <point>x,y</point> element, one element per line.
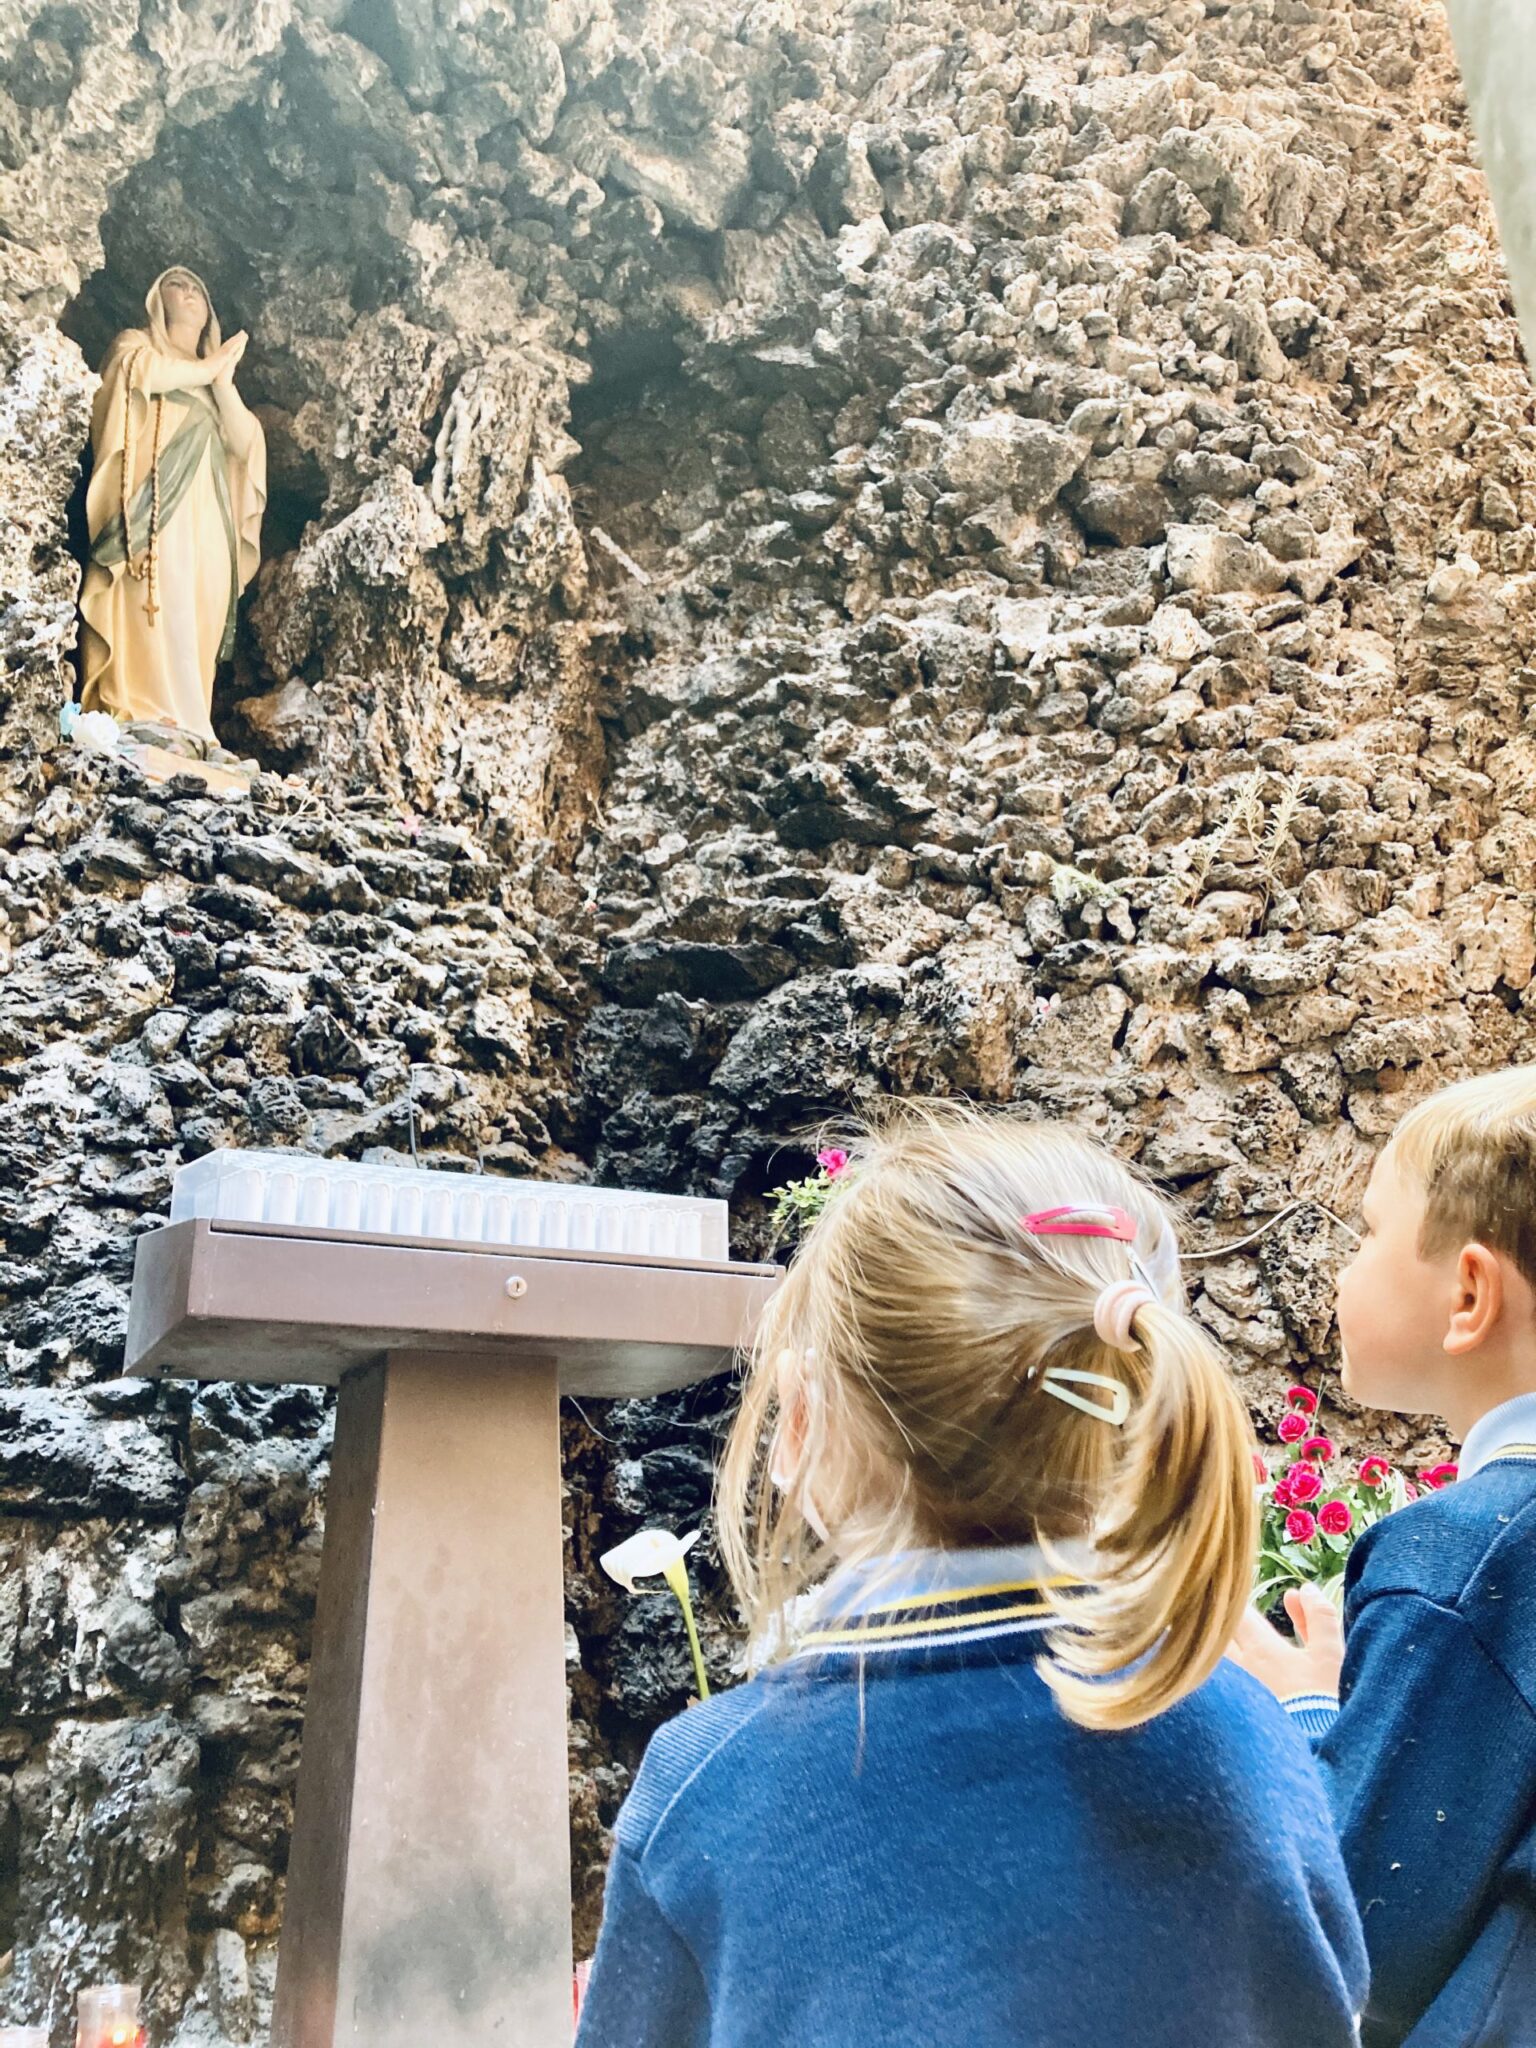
<point>836,548</point>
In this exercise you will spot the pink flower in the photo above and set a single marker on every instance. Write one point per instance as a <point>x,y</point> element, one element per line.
<point>1374,1472</point>
<point>1306,1484</point>
<point>1260,1470</point>
<point>1300,1526</point>
<point>1319,1447</point>
<point>1440,1475</point>
<point>1411,1490</point>
<point>833,1161</point>
<point>1336,1519</point>
<point>1302,1398</point>
<point>1291,1428</point>
<point>1284,1498</point>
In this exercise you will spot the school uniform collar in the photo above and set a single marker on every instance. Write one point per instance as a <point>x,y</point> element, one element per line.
<point>1507,1432</point>
<point>934,1599</point>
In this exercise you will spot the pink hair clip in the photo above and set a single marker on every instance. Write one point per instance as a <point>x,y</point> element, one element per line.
<point>1082,1219</point>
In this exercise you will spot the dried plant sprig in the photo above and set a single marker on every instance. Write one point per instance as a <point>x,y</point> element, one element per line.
<point>1282,818</point>
<point>1270,831</point>
<point>1248,805</point>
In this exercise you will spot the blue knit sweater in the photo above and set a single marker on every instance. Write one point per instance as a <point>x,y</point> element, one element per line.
<point>898,1838</point>
<point>1430,1758</point>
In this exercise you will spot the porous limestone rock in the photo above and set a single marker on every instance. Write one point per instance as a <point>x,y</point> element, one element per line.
<point>864,545</point>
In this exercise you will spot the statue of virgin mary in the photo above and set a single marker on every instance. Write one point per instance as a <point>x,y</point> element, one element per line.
<point>178,482</point>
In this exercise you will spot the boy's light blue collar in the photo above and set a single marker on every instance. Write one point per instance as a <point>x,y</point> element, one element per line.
<point>1511,1423</point>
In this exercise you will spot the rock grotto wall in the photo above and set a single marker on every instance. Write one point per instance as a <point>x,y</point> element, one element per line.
<point>816,550</point>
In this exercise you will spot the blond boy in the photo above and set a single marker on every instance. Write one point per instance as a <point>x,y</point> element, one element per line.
<point>1422,1708</point>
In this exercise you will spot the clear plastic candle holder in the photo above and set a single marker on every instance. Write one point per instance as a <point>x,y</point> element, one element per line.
<point>23,2037</point>
<point>108,2017</point>
<point>299,1190</point>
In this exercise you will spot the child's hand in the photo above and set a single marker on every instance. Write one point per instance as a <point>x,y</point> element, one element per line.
<point>1311,1664</point>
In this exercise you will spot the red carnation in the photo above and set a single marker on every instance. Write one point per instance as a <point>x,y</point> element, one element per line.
<point>1375,1472</point>
<point>1291,1428</point>
<point>832,1161</point>
<point>1336,1519</point>
<point>1260,1470</point>
<point>1300,1525</point>
<point>1440,1475</point>
<point>1306,1484</point>
<point>1410,1489</point>
<point>1319,1447</point>
<point>1302,1398</point>
<point>1284,1498</point>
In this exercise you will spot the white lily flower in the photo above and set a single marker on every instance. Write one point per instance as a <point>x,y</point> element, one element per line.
<point>651,1554</point>
<point>658,1553</point>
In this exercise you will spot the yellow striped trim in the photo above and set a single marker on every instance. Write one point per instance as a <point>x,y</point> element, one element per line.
<point>952,1595</point>
<point>846,1638</point>
<point>1513,1451</point>
<point>959,1618</point>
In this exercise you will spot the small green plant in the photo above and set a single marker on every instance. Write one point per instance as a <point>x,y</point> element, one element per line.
<point>796,1205</point>
<point>1070,886</point>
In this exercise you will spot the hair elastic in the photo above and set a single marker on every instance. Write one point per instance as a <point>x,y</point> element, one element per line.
<point>1115,1311</point>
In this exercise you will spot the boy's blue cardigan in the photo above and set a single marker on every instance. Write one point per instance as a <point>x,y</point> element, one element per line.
<point>1430,1752</point>
<point>898,1838</point>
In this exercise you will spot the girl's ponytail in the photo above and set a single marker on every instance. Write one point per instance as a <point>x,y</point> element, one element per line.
<point>1176,1542</point>
<point>970,1267</point>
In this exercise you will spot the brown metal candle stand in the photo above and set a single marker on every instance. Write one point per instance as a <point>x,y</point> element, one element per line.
<point>428,1898</point>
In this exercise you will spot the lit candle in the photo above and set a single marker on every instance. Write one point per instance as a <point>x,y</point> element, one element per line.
<point>108,2017</point>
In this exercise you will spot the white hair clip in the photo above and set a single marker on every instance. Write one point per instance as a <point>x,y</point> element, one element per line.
<point>1119,1395</point>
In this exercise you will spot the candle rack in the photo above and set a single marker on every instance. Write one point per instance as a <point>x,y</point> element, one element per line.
<point>428,1895</point>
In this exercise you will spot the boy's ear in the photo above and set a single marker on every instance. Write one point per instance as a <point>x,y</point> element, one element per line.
<point>1478,1300</point>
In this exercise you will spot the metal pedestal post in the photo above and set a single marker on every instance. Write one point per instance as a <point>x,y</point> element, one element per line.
<point>428,1901</point>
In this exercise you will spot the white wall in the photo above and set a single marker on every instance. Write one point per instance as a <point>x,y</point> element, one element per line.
<point>1496,46</point>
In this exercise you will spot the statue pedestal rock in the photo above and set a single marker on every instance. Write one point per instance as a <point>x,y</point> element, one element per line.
<point>428,1901</point>
<point>178,483</point>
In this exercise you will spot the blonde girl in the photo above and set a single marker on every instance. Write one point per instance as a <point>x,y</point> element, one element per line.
<point>995,1788</point>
